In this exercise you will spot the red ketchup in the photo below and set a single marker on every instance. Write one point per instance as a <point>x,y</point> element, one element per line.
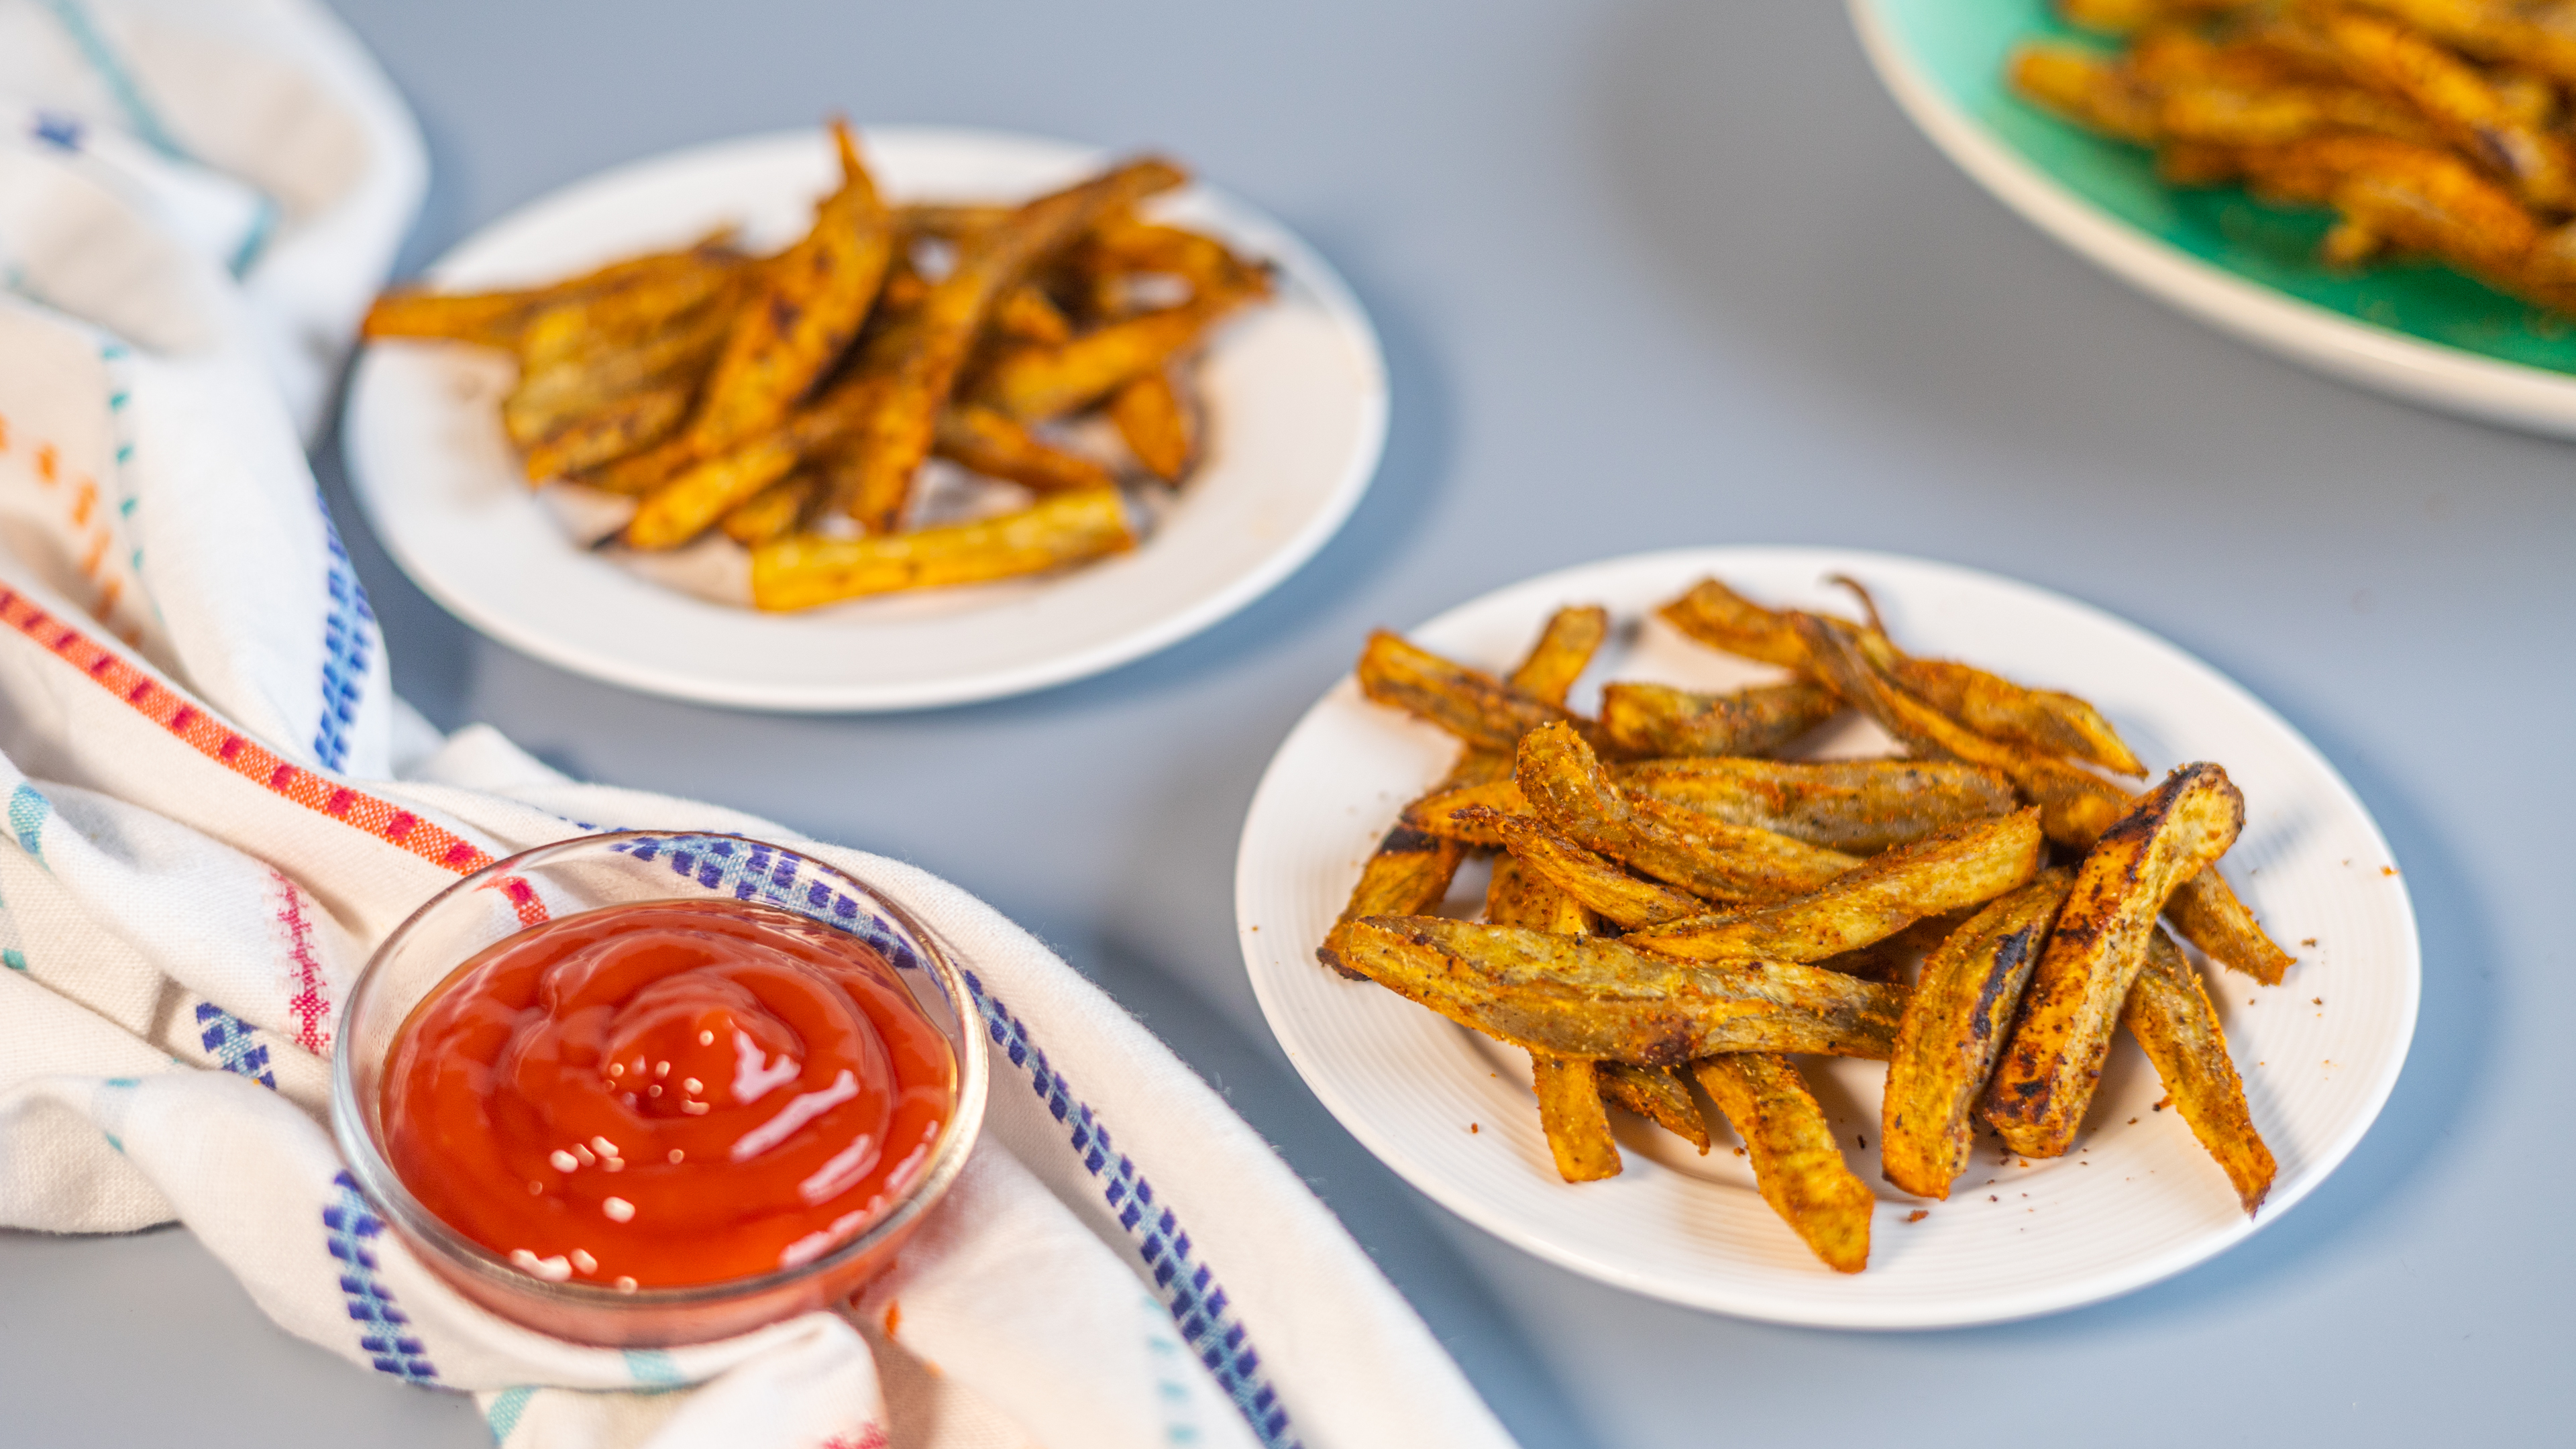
<point>665,1094</point>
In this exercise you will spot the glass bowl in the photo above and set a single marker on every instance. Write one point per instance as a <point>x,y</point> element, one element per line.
<point>626,868</point>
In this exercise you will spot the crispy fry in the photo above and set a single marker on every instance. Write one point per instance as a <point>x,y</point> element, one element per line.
<point>1587,997</point>
<point>1655,719</point>
<point>688,505</point>
<point>2168,1011</point>
<point>1592,879</point>
<point>1062,528</point>
<point>1406,875</point>
<point>918,361</point>
<point>2085,88</point>
<point>1570,1112</point>
<point>1564,649</point>
<point>1657,1094</point>
<point>994,444</point>
<point>1034,383</point>
<point>1723,619</point>
<point>947,220</point>
<point>1467,813</point>
<point>2048,1072</point>
<point>1858,806</point>
<point>1568,789</point>
<point>1796,1162</point>
<point>551,396</point>
<point>494,319</point>
<point>2074,806</point>
<point>809,306</point>
<point>2043,721</point>
<point>1468,703</point>
<point>1962,866</point>
<point>1027,314</point>
<point>1955,1024</point>
<point>1155,424</point>
<point>773,512</point>
<point>2536,36</point>
<point>2209,915</point>
<point>588,325</point>
<point>614,430</point>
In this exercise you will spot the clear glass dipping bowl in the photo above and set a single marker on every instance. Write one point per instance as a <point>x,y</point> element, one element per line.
<point>624,868</point>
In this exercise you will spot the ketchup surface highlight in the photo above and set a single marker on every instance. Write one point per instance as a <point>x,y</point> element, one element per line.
<point>668,1093</point>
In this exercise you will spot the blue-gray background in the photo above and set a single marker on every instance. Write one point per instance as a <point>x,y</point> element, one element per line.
<point>1648,272</point>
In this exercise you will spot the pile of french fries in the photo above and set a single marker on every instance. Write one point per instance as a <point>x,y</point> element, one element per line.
<point>2433,128</point>
<point>1673,905</point>
<point>790,401</point>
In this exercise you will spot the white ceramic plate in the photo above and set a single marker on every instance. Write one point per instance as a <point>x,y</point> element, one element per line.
<point>2415,333</point>
<point>1296,399</point>
<point>1453,1113</point>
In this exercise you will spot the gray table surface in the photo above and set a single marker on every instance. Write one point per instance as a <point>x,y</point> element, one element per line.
<point>1648,271</point>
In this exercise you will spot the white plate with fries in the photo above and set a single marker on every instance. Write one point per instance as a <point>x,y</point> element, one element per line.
<point>2136,1201</point>
<point>2407,328</point>
<point>1294,403</point>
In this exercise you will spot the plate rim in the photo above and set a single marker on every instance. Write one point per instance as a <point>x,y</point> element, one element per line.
<point>2413,369</point>
<point>1292,552</point>
<point>1917,1315</point>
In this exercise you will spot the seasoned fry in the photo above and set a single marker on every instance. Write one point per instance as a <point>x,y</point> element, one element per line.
<point>1034,383</point>
<point>2083,87</point>
<point>1564,649</point>
<point>1657,1094</point>
<point>1955,1024</point>
<point>1570,1112</point>
<point>809,306</point>
<point>1156,425</point>
<point>2168,1011</point>
<point>2074,806</point>
<point>1567,788</point>
<point>1962,866</point>
<point>1722,619</point>
<point>994,444</point>
<point>1468,703</point>
<point>1027,314</point>
<point>2209,915</point>
<point>1592,879</point>
<point>2530,35</point>
<point>550,396</point>
<point>2048,1072</point>
<point>614,430</point>
<point>2040,720</point>
<point>773,512</point>
<point>590,326</point>
<point>1655,719</point>
<point>1582,996</point>
<point>486,319</point>
<point>1796,1162</point>
<point>918,361</point>
<point>1060,529</point>
<point>688,505</point>
<point>1467,813</point>
<point>1858,806</point>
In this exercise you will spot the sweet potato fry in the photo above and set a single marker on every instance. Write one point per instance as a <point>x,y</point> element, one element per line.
<point>2086,88</point>
<point>688,505</point>
<point>1034,382</point>
<point>1725,620</point>
<point>1027,314</point>
<point>588,325</point>
<point>2049,1069</point>
<point>1655,719</point>
<point>549,396</point>
<point>1157,426</point>
<point>2042,721</point>
<point>2457,98</point>
<point>1564,649</point>
<point>1468,703</point>
<point>2168,1011</point>
<point>1567,788</point>
<point>1796,1162</point>
<point>808,307</point>
<point>1858,806</point>
<point>495,319</point>
<point>996,445</point>
<point>1060,529</point>
<point>1586,997</point>
<point>1468,813</point>
<point>1570,1112</point>
<point>918,361</point>
<point>773,512</point>
<point>2496,30</point>
<point>1955,1024</point>
<point>1962,866</point>
<point>2209,915</point>
<point>612,431</point>
<point>1657,1094</point>
<point>2074,806</point>
<point>1595,880</point>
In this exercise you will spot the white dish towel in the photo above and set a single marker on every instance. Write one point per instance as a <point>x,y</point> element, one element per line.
<point>210,825</point>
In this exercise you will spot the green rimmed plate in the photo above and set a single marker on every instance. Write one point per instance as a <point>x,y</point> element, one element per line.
<point>2419,332</point>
